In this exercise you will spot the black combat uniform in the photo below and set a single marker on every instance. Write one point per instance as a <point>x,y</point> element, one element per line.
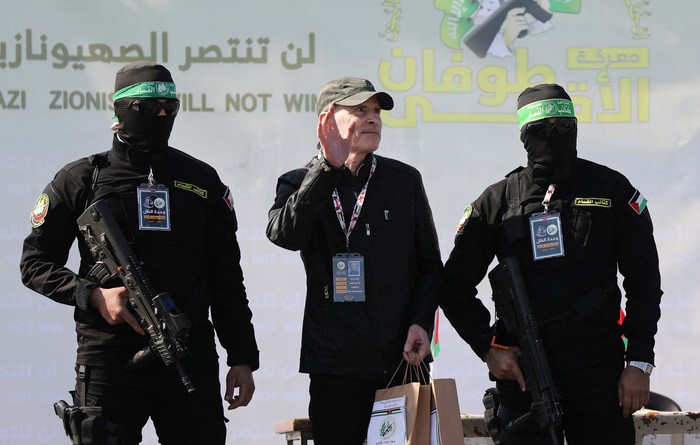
<point>606,228</point>
<point>196,262</point>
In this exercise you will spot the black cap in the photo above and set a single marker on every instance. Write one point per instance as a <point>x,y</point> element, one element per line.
<point>139,72</point>
<point>547,100</point>
<point>542,92</point>
<point>350,91</point>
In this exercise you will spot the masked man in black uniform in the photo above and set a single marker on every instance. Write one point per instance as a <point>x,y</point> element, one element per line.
<point>192,254</point>
<point>602,226</point>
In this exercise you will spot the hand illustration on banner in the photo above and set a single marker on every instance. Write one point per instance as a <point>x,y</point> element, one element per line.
<point>492,27</point>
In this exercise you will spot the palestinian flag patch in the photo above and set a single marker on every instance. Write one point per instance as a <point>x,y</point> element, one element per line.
<point>41,208</point>
<point>638,202</point>
<point>228,198</point>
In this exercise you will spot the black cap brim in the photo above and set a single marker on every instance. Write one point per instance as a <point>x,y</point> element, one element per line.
<point>385,101</point>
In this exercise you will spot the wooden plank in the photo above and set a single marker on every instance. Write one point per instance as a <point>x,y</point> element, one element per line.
<point>647,422</point>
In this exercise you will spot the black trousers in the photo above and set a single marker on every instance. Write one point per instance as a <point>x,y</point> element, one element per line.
<point>592,414</point>
<point>340,407</point>
<point>129,398</point>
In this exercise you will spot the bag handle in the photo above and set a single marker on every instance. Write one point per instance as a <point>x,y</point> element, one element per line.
<point>419,373</point>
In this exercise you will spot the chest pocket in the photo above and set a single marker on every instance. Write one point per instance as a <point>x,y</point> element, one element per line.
<point>517,225</point>
<point>581,226</point>
<point>188,213</point>
<point>394,228</point>
<point>593,223</point>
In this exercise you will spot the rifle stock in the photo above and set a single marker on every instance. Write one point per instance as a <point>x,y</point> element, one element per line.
<point>513,308</point>
<point>166,326</point>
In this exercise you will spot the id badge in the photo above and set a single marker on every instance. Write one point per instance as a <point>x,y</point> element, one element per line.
<point>154,207</point>
<point>546,236</point>
<point>348,277</point>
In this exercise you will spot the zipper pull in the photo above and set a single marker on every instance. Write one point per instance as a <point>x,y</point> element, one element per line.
<point>367,229</point>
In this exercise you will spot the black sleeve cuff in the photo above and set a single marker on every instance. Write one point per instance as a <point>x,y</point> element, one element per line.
<point>82,292</point>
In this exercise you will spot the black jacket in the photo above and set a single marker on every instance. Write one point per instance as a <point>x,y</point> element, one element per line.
<point>196,262</point>
<point>602,234</point>
<point>395,234</point>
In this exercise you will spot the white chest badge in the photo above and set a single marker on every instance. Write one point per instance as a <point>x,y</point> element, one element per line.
<point>545,231</point>
<point>154,205</point>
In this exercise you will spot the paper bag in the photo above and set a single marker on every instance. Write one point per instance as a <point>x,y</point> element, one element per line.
<point>387,425</point>
<point>445,416</point>
<point>416,414</point>
<point>420,434</point>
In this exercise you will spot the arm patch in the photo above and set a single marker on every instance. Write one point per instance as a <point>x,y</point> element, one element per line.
<point>465,219</point>
<point>228,198</point>
<point>638,202</point>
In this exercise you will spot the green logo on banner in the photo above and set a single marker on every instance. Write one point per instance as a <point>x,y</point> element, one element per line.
<point>566,6</point>
<point>456,21</point>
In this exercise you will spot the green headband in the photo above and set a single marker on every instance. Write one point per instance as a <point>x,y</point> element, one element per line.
<point>543,109</point>
<point>163,90</point>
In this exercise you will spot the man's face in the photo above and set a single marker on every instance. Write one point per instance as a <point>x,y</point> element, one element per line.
<point>368,125</point>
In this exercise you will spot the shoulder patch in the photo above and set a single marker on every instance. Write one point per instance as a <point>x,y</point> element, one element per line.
<point>41,208</point>
<point>638,202</point>
<point>593,202</point>
<point>191,188</point>
<point>228,198</point>
<point>465,218</point>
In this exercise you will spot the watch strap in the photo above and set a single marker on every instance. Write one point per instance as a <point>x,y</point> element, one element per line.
<point>645,367</point>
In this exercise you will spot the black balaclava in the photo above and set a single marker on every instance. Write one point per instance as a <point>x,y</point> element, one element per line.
<point>146,81</point>
<point>549,157</point>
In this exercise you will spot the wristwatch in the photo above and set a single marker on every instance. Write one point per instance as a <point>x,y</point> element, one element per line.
<point>645,367</point>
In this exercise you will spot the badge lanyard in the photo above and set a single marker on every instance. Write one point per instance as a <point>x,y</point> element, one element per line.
<point>347,230</point>
<point>545,231</point>
<point>548,197</point>
<point>153,205</point>
<point>348,268</point>
<point>151,177</point>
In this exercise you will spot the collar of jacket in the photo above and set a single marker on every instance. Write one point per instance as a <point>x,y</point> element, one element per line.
<point>362,172</point>
<point>123,152</point>
<point>543,175</point>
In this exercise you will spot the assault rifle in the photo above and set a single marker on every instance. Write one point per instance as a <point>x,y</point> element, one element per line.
<point>479,39</point>
<point>513,308</point>
<point>166,326</point>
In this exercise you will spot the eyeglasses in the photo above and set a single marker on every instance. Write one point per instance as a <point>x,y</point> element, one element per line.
<point>153,107</point>
<point>545,128</point>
